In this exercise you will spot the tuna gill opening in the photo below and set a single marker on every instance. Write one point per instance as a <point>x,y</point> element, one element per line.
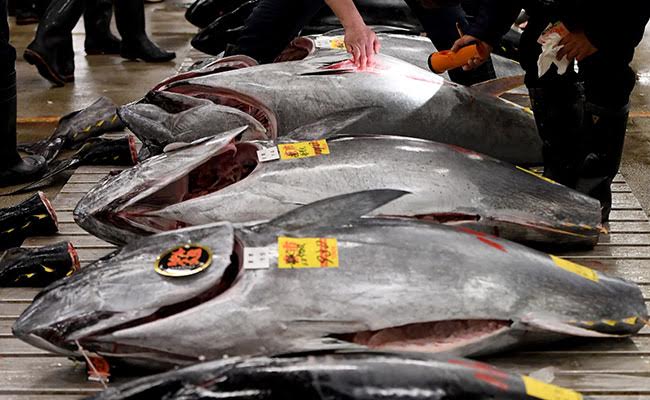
<point>427,336</point>
<point>234,99</point>
<point>227,281</point>
<point>232,164</point>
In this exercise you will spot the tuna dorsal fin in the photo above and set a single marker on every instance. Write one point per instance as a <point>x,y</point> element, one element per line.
<point>499,86</point>
<point>331,125</point>
<point>336,210</point>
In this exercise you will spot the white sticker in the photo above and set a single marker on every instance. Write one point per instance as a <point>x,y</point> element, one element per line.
<point>256,258</point>
<point>268,154</point>
<point>330,42</point>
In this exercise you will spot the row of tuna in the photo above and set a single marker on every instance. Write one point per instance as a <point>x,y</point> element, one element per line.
<point>333,226</point>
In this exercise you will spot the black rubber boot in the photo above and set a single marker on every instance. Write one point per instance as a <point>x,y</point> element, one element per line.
<point>559,117</point>
<point>129,16</point>
<point>604,136</point>
<point>13,169</point>
<point>51,50</point>
<point>97,21</point>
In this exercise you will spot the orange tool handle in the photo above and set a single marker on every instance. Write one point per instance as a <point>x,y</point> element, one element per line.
<point>443,61</point>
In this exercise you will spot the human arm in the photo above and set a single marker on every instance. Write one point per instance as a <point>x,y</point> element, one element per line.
<point>493,19</point>
<point>360,40</point>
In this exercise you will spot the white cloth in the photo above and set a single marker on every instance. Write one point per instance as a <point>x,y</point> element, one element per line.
<point>549,54</point>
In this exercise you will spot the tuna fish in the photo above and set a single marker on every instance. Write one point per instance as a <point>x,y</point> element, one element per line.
<point>359,375</point>
<point>415,49</point>
<point>409,102</point>
<point>322,278</point>
<point>216,180</point>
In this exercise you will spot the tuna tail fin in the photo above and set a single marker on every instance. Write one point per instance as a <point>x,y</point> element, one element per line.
<point>563,328</point>
<point>332,124</point>
<point>336,210</point>
<point>497,87</point>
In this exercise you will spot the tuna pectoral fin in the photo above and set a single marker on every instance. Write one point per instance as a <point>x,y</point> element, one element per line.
<point>324,344</point>
<point>499,86</point>
<point>331,124</point>
<point>336,210</point>
<point>563,328</point>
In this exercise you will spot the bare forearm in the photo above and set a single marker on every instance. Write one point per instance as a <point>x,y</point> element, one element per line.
<point>360,41</point>
<point>346,12</point>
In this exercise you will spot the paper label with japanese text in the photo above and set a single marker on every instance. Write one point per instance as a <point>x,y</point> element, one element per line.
<point>291,151</point>
<point>307,253</point>
<point>330,42</point>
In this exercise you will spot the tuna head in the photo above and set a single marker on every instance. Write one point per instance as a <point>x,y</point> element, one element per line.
<point>124,289</point>
<point>116,208</point>
<point>164,118</point>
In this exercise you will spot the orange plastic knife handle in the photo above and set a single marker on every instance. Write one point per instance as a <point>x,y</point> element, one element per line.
<point>443,61</point>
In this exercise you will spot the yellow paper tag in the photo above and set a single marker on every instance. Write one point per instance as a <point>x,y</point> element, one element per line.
<point>577,269</point>
<point>535,174</point>
<point>307,253</point>
<point>338,43</point>
<point>292,151</point>
<point>546,391</point>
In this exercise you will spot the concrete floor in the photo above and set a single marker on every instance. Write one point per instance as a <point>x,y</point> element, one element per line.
<point>121,80</point>
<point>125,81</point>
<point>636,158</point>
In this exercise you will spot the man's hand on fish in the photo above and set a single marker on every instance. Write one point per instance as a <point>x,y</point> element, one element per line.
<point>360,41</point>
<point>484,50</point>
<point>363,44</point>
<point>576,47</point>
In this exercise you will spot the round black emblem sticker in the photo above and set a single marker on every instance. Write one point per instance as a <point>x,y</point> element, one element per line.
<point>184,260</point>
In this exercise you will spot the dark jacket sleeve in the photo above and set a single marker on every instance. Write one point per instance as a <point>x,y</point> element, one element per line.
<point>493,20</point>
<point>611,29</point>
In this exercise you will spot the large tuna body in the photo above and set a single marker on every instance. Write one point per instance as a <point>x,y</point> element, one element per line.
<point>397,284</point>
<point>221,181</point>
<point>406,100</point>
<point>359,376</point>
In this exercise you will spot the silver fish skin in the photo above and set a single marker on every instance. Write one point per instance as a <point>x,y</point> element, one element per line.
<point>358,376</point>
<point>399,285</point>
<point>409,101</point>
<point>446,184</point>
<point>417,49</point>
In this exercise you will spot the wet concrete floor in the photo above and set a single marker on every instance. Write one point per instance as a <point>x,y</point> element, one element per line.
<point>112,76</point>
<point>125,81</point>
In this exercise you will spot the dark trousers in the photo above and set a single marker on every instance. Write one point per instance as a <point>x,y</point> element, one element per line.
<point>7,52</point>
<point>274,23</point>
<point>582,117</point>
